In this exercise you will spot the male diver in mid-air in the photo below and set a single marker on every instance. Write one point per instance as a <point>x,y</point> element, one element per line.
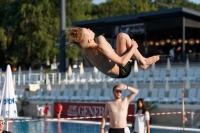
<point>116,64</point>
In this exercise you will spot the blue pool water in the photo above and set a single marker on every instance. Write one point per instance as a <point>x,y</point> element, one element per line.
<point>66,127</point>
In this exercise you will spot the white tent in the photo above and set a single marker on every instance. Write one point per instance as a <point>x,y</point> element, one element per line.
<point>19,70</point>
<point>8,106</point>
<point>187,65</point>
<point>85,87</point>
<point>81,69</point>
<point>167,85</point>
<point>135,67</point>
<point>153,68</point>
<point>49,87</point>
<point>187,84</point>
<point>69,72</point>
<point>135,83</point>
<point>168,64</point>
<point>151,84</point>
<point>76,86</point>
<point>63,85</point>
<point>105,85</point>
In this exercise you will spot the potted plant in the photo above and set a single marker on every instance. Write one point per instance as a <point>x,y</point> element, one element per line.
<point>13,62</point>
<point>149,107</point>
<point>23,102</point>
<point>47,71</point>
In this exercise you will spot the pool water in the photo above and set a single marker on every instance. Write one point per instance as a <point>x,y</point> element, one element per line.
<point>66,127</point>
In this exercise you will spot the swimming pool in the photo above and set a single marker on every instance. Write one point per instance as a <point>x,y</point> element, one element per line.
<point>71,127</point>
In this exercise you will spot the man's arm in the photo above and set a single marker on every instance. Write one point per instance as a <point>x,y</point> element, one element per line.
<point>133,91</point>
<point>107,50</point>
<point>104,118</point>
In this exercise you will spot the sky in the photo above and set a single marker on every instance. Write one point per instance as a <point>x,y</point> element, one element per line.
<point>100,1</point>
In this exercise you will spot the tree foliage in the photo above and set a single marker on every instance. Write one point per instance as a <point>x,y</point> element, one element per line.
<point>32,27</point>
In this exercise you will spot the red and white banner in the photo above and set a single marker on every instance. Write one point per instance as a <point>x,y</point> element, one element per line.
<point>86,110</point>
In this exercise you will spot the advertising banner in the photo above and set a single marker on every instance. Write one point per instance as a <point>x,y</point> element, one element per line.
<point>71,110</point>
<point>130,29</point>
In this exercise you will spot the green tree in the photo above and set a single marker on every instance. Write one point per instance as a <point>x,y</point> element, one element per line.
<point>144,6</point>
<point>33,27</point>
<point>166,4</point>
<point>115,8</point>
<point>78,10</point>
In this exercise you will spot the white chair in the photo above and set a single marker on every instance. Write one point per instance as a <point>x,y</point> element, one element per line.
<point>89,77</point>
<point>197,98</point>
<point>106,95</point>
<point>156,75</point>
<point>177,97</point>
<point>172,76</point>
<point>190,75</point>
<point>97,94</point>
<point>65,93</point>
<point>144,93</point>
<point>161,94</point>
<point>162,75</point>
<point>77,96</point>
<point>82,78</point>
<point>57,94</point>
<point>43,97</point>
<point>90,96</point>
<point>70,94</point>
<point>140,76</point>
<point>19,93</point>
<point>154,95</point>
<point>51,95</point>
<point>71,79</point>
<point>146,75</point>
<point>169,99</point>
<point>83,95</point>
<point>191,94</point>
<point>37,96</point>
<point>180,75</point>
<point>197,74</point>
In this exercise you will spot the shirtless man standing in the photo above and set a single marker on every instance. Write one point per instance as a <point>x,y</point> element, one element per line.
<point>117,109</point>
<point>103,57</point>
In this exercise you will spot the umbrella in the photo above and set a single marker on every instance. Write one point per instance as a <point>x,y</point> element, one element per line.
<point>76,86</point>
<point>30,70</point>
<point>85,87</point>
<point>105,85</point>
<point>135,83</point>
<point>152,68</point>
<point>187,65</point>
<point>167,85</point>
<point>81,69</point>
<point>95,70</point>
<point>49,87</point>
<point>41,68</point>
<point>135,67</point>
<point>63,85</point>
<point>187,84</point>
<point>8,105</point>
<point>69,72</point>
<point>151,85</point>
<point>168,64</point>
<point>19,70</point>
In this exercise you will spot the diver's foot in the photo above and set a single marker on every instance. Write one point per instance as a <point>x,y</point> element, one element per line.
<point>149,61</point>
